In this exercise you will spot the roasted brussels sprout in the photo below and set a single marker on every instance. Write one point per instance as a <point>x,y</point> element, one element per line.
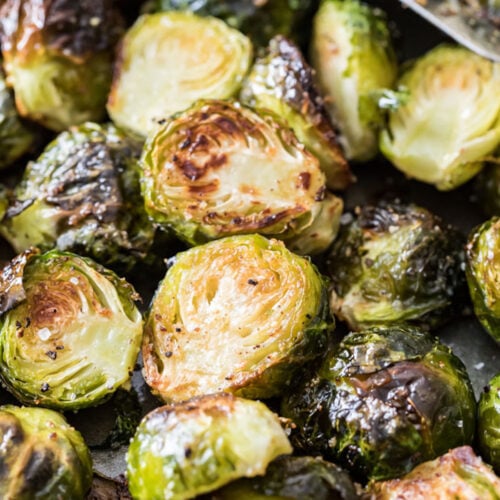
<point>451,121</point>
<point>489,423</point>
<point>83,195</point>
<point>395,263</point>
<point>459,474</point>
<point>58,58</point>
<point>42,456</point>
<point>383,401</point>
<point>70,331</point>
<point>282,81</point>
<point>259,20</point>
<point>169,60</point>
<point>352,53</point>
<point>292,478</point>
<point>220,169</point>
<point>182,450</point>
<point>263,308</point>
<point>15,138</point>
<point>488,189</point>
<point>483,274</point>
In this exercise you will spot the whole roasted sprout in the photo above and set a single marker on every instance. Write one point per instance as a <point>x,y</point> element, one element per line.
<point>292,478</point>
<point>383,401</point>
<point>15,138</point>
<point>58,58</point>
<point>488,189</point>
<point>282,81</point>
<point>70,331</point>
<point>169,60</point>
<point>483,274</point>
<point>395,263</point>
<point>42,456</point>
<point>183,450</point>
<point>489,423</point>
<point>459,474</point>
<point>239,315</point>
<point>352,54</point>
<point>220,169</point>
<point>451,121</point>
<point>258,20</point>
<point>83,195</point>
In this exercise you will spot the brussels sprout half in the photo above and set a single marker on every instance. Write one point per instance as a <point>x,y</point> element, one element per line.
<point>483,274</point>
<point>58,58</point>
<point>236,315</point>
<point>352,54</point>
<point>292,478</point>
<point>282,81</point>
<point>169,60</point>
<point>395,263</point>
<point>15,138</point>
<point>489,423</point>
<point>42,456</point>
<point>83,195</point>
<point>383,401</point>
<point>70,331</point>
<point>220,169</point>
<point>457,475</point>
<point>451,121</point>
<point>258,20</point>
<point>183,450</point>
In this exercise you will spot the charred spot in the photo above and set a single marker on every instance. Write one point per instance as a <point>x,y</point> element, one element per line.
<point>237,221</point>
<point>304,180</point>
<point>190,170</point>
<point>39,470</point>
<point>320,194</point>
<point>183,145</point>
<point>204,188</point>
<point>188,452</point>
<point>44,387</point>
<point>51,354</point>
<point>168,354</point>
<point>227,125</point>
<point>253,282</point>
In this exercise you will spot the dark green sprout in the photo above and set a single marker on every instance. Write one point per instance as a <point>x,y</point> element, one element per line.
<point>489,423</point>
<point>15,138</point>
<point>70,330</point>
<point>42,457</point>
<point>292,478</point>
<point>83,195</point>
<point>395,263</point>
<point>58,58</point>
<point>383,401</point>
<point>283,82</point>
<point>483,274</point>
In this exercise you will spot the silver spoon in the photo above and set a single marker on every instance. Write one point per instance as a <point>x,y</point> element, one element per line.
<point>478,35</point>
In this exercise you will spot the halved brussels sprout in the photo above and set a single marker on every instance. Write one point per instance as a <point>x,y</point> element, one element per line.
<point>352,54</point>
<point>183,450</point>
<point>489,423</point>
<point>383,401</point>
<point>42,456</point>
<point>260,20</point>
<point>457,475</point>
<point>488,189</point>
<point>483,274</point>
<point>169,60</point>
<point>220,169</point>
<point>238,315</point>
<point>395,263</point>
<point>282,81</point>
<point>83,195</point>
<point>58,58</point>
<point>292,478</point>
<point>70,331</point>
<point>15,138</point>
<point>451,121</point>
